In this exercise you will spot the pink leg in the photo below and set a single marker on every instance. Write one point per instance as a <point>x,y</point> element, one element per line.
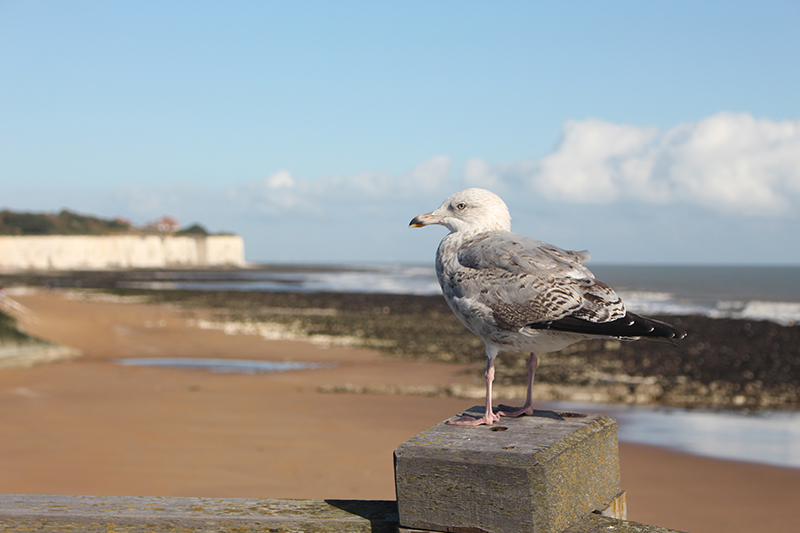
<point>489,417</point>
<point>526,409</point>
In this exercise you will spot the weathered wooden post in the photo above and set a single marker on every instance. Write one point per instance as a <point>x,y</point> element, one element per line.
<point>540,473</point>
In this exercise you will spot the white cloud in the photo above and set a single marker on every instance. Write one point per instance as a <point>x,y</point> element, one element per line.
<point>283,193</point>
<point>730,163</point>
<point>595,162</point>
<point>431,176</point>
<point>725,163</point>
<point>274,194</point>
<point>279,180</point>
<point>736,163</point>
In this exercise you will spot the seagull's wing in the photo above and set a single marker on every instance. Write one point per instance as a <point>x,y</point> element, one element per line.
<point>526,282</point>
<point>520,255</point>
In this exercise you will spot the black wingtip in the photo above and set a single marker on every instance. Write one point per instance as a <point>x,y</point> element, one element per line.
<point>660,329</point>
<point>629,326</point>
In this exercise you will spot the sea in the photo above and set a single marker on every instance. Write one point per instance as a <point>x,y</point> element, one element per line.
<point>754,292</point>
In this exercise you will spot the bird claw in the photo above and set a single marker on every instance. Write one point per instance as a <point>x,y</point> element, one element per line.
<point>514,412</point>
<point>470,420</point>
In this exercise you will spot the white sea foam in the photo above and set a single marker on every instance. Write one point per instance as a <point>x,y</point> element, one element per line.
<point>658,303</point>
<point>786,313</point>
<point>757,293</point>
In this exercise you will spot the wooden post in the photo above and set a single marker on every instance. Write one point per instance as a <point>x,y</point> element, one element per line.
<point>540,473</point>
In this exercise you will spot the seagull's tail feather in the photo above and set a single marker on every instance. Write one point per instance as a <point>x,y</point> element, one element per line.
<point>631,326</point>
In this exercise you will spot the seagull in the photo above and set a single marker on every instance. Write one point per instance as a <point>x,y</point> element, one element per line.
<point>519,294</point>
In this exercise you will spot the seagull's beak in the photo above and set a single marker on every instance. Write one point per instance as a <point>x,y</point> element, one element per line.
<point>425,220</point>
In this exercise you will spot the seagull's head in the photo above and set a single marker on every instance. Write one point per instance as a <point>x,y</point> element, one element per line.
<point>469,211</point>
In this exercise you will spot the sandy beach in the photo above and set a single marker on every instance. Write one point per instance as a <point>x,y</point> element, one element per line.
<point>90,426</point>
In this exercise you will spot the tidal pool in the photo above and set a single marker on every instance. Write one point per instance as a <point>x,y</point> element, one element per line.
<point>242,366</point>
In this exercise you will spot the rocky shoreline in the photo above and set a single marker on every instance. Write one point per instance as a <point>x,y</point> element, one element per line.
<point>723,363</point>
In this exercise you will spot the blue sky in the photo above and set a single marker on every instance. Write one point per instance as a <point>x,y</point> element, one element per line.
<point>646,132</point>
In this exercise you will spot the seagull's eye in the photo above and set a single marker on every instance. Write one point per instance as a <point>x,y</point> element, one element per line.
<point>461,206</point>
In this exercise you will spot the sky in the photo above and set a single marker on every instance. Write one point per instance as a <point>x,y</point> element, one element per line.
<point>646,132</point>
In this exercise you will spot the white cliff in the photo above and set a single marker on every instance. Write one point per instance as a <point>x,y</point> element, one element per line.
<point>85,252</point>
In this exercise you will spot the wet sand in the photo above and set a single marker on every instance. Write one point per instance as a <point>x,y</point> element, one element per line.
<point>89,426</point>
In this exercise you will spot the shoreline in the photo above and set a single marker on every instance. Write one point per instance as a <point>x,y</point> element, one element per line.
<point>88,426</point>
<point>723,363</point>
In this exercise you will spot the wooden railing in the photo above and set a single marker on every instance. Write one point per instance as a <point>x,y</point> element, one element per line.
<point>554,472</point>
